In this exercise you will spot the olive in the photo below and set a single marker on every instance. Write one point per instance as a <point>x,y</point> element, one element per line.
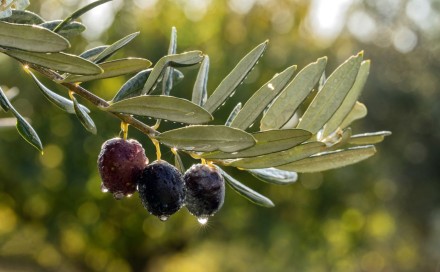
<point>161,189</point>
<point>120,163</point>
<point>205,191</point>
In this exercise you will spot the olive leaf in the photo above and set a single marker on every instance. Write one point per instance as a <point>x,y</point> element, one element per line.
<point>92,53</point>
<point>261,98</point>
<point>167,81</point>
<point>133,86</point>
<point>234,78</point>
<point>69,30</point>
<point>57,61</point>
<point>113,68</point>
<point>31,38</point>
<point>110,50</point>
<point>349,100</point>
<point>207,138</point>
<point>200,92</point>
<point>274,176</point>
<point>357,112</point>
<point>368,138</point>
<point>27,131</point>
<point>286,104</point>
<point>23,17</point>
<point>60,101</point>
<point>178,162</point>
<point>278,158</point>
<point>330,160</point>
<point>245,191</point>
<point>158,106</point>
<point>83,117</point>
<point>78,13</point>
<point>328,100</point>
<point>24,128</point>
<point>184,59</point>
<point>4,101</point>
<point>233,113</point>
<point>268,141</point>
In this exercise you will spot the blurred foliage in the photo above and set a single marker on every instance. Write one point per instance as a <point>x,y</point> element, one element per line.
<point>380,215</point>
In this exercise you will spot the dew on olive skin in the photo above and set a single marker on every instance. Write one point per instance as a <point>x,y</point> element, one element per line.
<point>120,163</point>
<point>205,191</point>
<point>161,189</point>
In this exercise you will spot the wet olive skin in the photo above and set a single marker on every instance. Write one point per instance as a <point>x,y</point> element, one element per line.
<point>205,190</point>
<point>120,163</point>
<point>161,189</point>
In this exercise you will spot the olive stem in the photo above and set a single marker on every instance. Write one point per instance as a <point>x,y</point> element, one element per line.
<point>95,100</point>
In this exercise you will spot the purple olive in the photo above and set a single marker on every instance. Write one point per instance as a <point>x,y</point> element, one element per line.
<point>120,164</point>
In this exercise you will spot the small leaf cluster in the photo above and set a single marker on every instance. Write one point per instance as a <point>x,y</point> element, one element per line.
<point>303,117</point>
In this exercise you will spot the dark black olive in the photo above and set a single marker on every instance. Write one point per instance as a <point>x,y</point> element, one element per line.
<point>161,189</point>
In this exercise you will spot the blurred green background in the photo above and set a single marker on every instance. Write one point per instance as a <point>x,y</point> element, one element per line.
<point>380,215</point>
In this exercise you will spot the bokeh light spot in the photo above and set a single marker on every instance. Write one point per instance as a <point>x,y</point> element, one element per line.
<point>8,219</point>
<point>381,225</point>
<point>53,156</point>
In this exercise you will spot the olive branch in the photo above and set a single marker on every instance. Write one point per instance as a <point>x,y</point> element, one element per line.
<point>304,119</point>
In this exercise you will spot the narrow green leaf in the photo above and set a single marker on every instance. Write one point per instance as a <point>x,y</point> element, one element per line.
<point>330,98</point>
<point>162,107</point>
<point>113,68</point>
<point>268,141</point>
<point>200,92</point>
<point>167,81</point>
<point>178,163</point>
<point>246,192</point>
<point>359,111</point>
<point>23,17</point>
<point>184,59</point>
<point>107,52</point>
<point>69,30</point>
<point>275,176</point>
<point>368,138</point>
<point>330,160</point>
<point>286,104</point>
<point>57,61</point>
<point>233,113</point>
<point>83,117</point>
<point>78,13</point>
<point>261,98</point>
<point>27,131</point>
<point>4,102</point>
<point>234,78</point>
<point>279,158</point>
<point>31,38</point>
<point>349,100</point>
<point>60,101</point>
<point>207,138</point>
<point>92,53</point>
<point>133,86</point>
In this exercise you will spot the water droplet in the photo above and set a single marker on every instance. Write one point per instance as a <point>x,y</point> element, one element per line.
<point>202,220</point>
<point>163,218</point>
<point>103,188</point>
<point>270,86</point>
<point>129,195</point>
<point>232,94</point>
<point>118,195</point>
<point>223,104</point>
<point>251,125</point>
